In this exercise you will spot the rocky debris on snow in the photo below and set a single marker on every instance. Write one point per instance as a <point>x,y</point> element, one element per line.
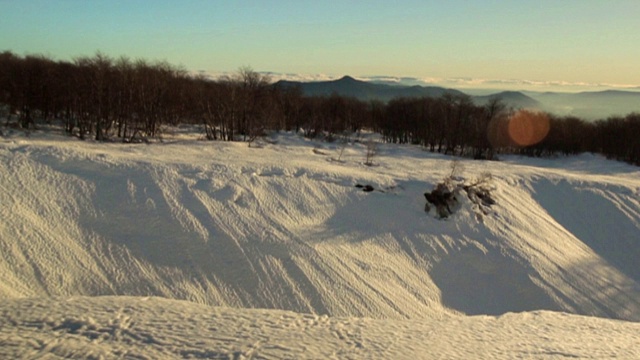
<point>365,188</point>
<point>445,196</point>
<point>443,199</point>
<point>479,195</point>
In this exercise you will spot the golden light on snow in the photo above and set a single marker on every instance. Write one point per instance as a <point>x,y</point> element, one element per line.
<point>527,127</point>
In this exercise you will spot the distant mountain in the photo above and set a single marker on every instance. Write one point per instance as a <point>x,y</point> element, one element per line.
<point>590,105</point>
<point>514,99</point>
<point>363,90</point>
<point>586,105</point>
<point>385,91</point>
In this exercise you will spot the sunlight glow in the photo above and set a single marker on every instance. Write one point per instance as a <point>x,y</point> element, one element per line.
<point>527,127</point>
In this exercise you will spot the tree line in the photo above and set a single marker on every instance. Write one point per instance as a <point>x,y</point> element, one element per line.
<point>126,100</point>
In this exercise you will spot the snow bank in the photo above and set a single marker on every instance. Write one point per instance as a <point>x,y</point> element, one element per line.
<point>284,227</point>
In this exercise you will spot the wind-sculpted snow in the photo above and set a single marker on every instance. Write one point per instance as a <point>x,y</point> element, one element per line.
<point>155,328</point>
<point>284,227</point>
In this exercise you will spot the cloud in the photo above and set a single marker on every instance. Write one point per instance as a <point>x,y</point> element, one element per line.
<point>525,84</point>
<point>299,77</point>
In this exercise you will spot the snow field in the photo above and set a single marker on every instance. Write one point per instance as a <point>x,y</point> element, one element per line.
<point>155,328</point>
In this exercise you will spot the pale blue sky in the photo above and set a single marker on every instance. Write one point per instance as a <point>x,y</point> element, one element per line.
<point>581,41</point>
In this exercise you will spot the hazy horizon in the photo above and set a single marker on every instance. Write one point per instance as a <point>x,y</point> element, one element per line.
<point>468,85</point>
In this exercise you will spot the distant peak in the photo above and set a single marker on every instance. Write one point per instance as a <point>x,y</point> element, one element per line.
<point>347,78</point>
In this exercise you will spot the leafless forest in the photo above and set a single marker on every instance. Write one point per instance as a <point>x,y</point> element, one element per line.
<point>132,100</point>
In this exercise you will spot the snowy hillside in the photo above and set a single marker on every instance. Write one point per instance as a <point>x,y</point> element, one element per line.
<point>283,226</point>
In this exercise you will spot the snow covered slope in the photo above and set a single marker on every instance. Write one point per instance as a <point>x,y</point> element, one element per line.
<point>283,227</point>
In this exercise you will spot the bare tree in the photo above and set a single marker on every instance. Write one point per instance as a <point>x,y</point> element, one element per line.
<point>372,150</point>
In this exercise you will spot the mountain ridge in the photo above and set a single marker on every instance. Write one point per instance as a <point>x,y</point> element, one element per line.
<point>590,105</point>
<point>364,90</point>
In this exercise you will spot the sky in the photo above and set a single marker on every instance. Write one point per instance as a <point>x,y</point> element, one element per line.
<point>566,44</point>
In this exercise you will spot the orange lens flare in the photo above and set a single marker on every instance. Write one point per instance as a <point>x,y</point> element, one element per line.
<point>527,127</point>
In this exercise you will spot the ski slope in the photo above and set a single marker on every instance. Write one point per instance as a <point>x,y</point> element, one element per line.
<point>281,226</point>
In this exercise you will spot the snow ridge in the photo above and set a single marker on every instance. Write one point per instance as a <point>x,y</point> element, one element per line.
<point>284,227</point>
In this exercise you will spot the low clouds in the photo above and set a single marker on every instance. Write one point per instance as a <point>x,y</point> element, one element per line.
<point>506,84</point>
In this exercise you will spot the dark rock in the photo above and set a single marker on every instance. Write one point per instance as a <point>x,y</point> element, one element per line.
<point>443,199</point>
<point>365,188</point>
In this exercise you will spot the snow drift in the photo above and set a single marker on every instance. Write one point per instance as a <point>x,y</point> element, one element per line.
<point>155,328</point>
<point>283,227</point>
